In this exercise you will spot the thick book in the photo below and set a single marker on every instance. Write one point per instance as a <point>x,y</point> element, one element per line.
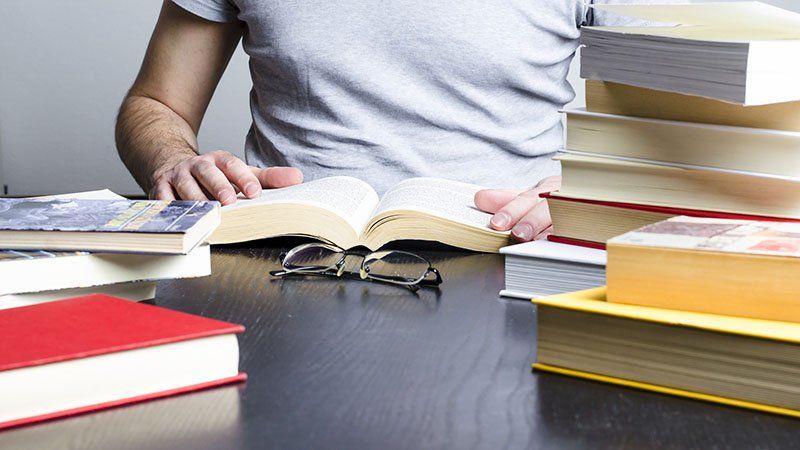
<point>736,52</point>
<point>348,212</point>
<point>596,221</point>
<point>135,291</point>
<point>143,226</point>
<point>625,100</point>
<point>692,144</point>
<point>84,354</point>
<point>718,266</point>
<point>671,185</point>
<point>33,271</point>
<point>540,268</point>
<point>735,361</point>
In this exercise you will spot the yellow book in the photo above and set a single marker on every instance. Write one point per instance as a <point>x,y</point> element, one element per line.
<point>625,100</point>
<point>735,361</point>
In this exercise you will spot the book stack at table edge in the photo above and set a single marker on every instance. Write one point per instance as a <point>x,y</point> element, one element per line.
<point>69,245</point>
<point>695,307</point>
<point>682,140</point>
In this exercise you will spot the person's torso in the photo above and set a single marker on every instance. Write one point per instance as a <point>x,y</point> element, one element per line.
<point>468,89</point>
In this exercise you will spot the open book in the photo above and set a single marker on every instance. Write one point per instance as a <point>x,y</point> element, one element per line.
<point>348,212</point>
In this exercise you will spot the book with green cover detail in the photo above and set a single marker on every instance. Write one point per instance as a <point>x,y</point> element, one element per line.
<point>145,226</point>
<point>735,361</point>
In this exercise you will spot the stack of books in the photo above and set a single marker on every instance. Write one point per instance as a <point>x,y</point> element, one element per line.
<point>65,347</point>
<point>696,307</point>
<point>700,118</point>
<point>98,242</point>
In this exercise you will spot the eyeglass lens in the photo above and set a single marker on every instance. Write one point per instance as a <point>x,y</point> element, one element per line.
<point>312,257</point>
<point>396,266</point>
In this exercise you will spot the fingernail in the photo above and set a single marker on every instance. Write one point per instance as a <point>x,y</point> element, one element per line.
<point>523,232</point>
<point>501,220</point>
<point>252,189</point>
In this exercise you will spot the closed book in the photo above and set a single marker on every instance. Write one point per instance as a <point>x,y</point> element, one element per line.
<point>735,52</point>
<point>134,290</point>
<point>626,100</point>
<point>735,361</point>
<point>671,185</point>
<point>83,354</point>
<point>143,226</point>
<point>540,268</point>
<point>718,266</point>
<point>694,144</point>
<point>587,222</point>
<point>34,271</point>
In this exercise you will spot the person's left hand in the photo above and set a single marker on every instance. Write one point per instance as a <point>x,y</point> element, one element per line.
<point>522,212</point>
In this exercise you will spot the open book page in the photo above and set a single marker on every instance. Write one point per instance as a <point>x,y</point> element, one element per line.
<point>451,200</point>
<point>350,198</point>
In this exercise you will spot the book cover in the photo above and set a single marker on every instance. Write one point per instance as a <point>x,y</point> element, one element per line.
<point>133,216</point>
<point>594,301</point>
<point>666,390</point>
<point>718,235</point>
<point>94,325</point>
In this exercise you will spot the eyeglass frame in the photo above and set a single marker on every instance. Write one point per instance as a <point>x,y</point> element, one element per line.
<point>364,274</point>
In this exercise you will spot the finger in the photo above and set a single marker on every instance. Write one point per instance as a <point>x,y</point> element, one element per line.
<point>238,173</point>
<point>491,200</point>
<point>533,223</point>
<point>508,216</point>
<point>214,181</point>
<point>186,186</point>
<point>278,177</point>
<point>162,191</point>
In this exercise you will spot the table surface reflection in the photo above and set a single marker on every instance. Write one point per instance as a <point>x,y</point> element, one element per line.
<point>339,363</point>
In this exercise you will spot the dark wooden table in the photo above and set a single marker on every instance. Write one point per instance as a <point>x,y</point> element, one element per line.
<point>351,364</point>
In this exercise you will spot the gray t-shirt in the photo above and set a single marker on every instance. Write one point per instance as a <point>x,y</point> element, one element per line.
<point>385,90</point>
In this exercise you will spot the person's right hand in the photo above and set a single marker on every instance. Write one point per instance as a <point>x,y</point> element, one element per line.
<point>217,175</point>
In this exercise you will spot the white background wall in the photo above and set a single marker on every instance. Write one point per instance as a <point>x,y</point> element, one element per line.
<point>64,68</point>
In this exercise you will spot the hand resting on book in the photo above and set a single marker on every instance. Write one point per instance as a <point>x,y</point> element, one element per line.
<point>522,212</point>
<point>218,175</point>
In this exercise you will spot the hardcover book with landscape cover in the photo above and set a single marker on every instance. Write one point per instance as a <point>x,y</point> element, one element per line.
<point>111,225</point>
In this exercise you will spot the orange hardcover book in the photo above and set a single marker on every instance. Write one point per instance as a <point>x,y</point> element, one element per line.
<point>719,266</point>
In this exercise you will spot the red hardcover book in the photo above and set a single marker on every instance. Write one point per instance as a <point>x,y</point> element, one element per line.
<point>590,223</point>
<point>87,353</point>
<point>578,242</point>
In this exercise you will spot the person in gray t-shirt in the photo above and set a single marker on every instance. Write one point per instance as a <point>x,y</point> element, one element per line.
<point>467,90</point>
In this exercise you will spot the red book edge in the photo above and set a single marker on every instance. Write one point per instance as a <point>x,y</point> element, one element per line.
<point>669,210</point>
<point>125,401</point>
<point>578,242</point>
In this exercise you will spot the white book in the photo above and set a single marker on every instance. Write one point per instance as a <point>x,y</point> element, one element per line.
<point>136,291</point>
<point>541,268</point>
<point>39,271</point>
<point>687,143</point>
<point>742,52</point>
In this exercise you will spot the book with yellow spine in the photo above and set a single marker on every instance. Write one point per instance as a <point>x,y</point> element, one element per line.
<point>735,361</point>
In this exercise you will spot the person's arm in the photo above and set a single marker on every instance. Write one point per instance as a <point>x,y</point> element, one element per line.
<point>157,127</point>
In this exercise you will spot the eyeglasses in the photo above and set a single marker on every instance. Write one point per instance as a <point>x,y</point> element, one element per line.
<point>390,266</point>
